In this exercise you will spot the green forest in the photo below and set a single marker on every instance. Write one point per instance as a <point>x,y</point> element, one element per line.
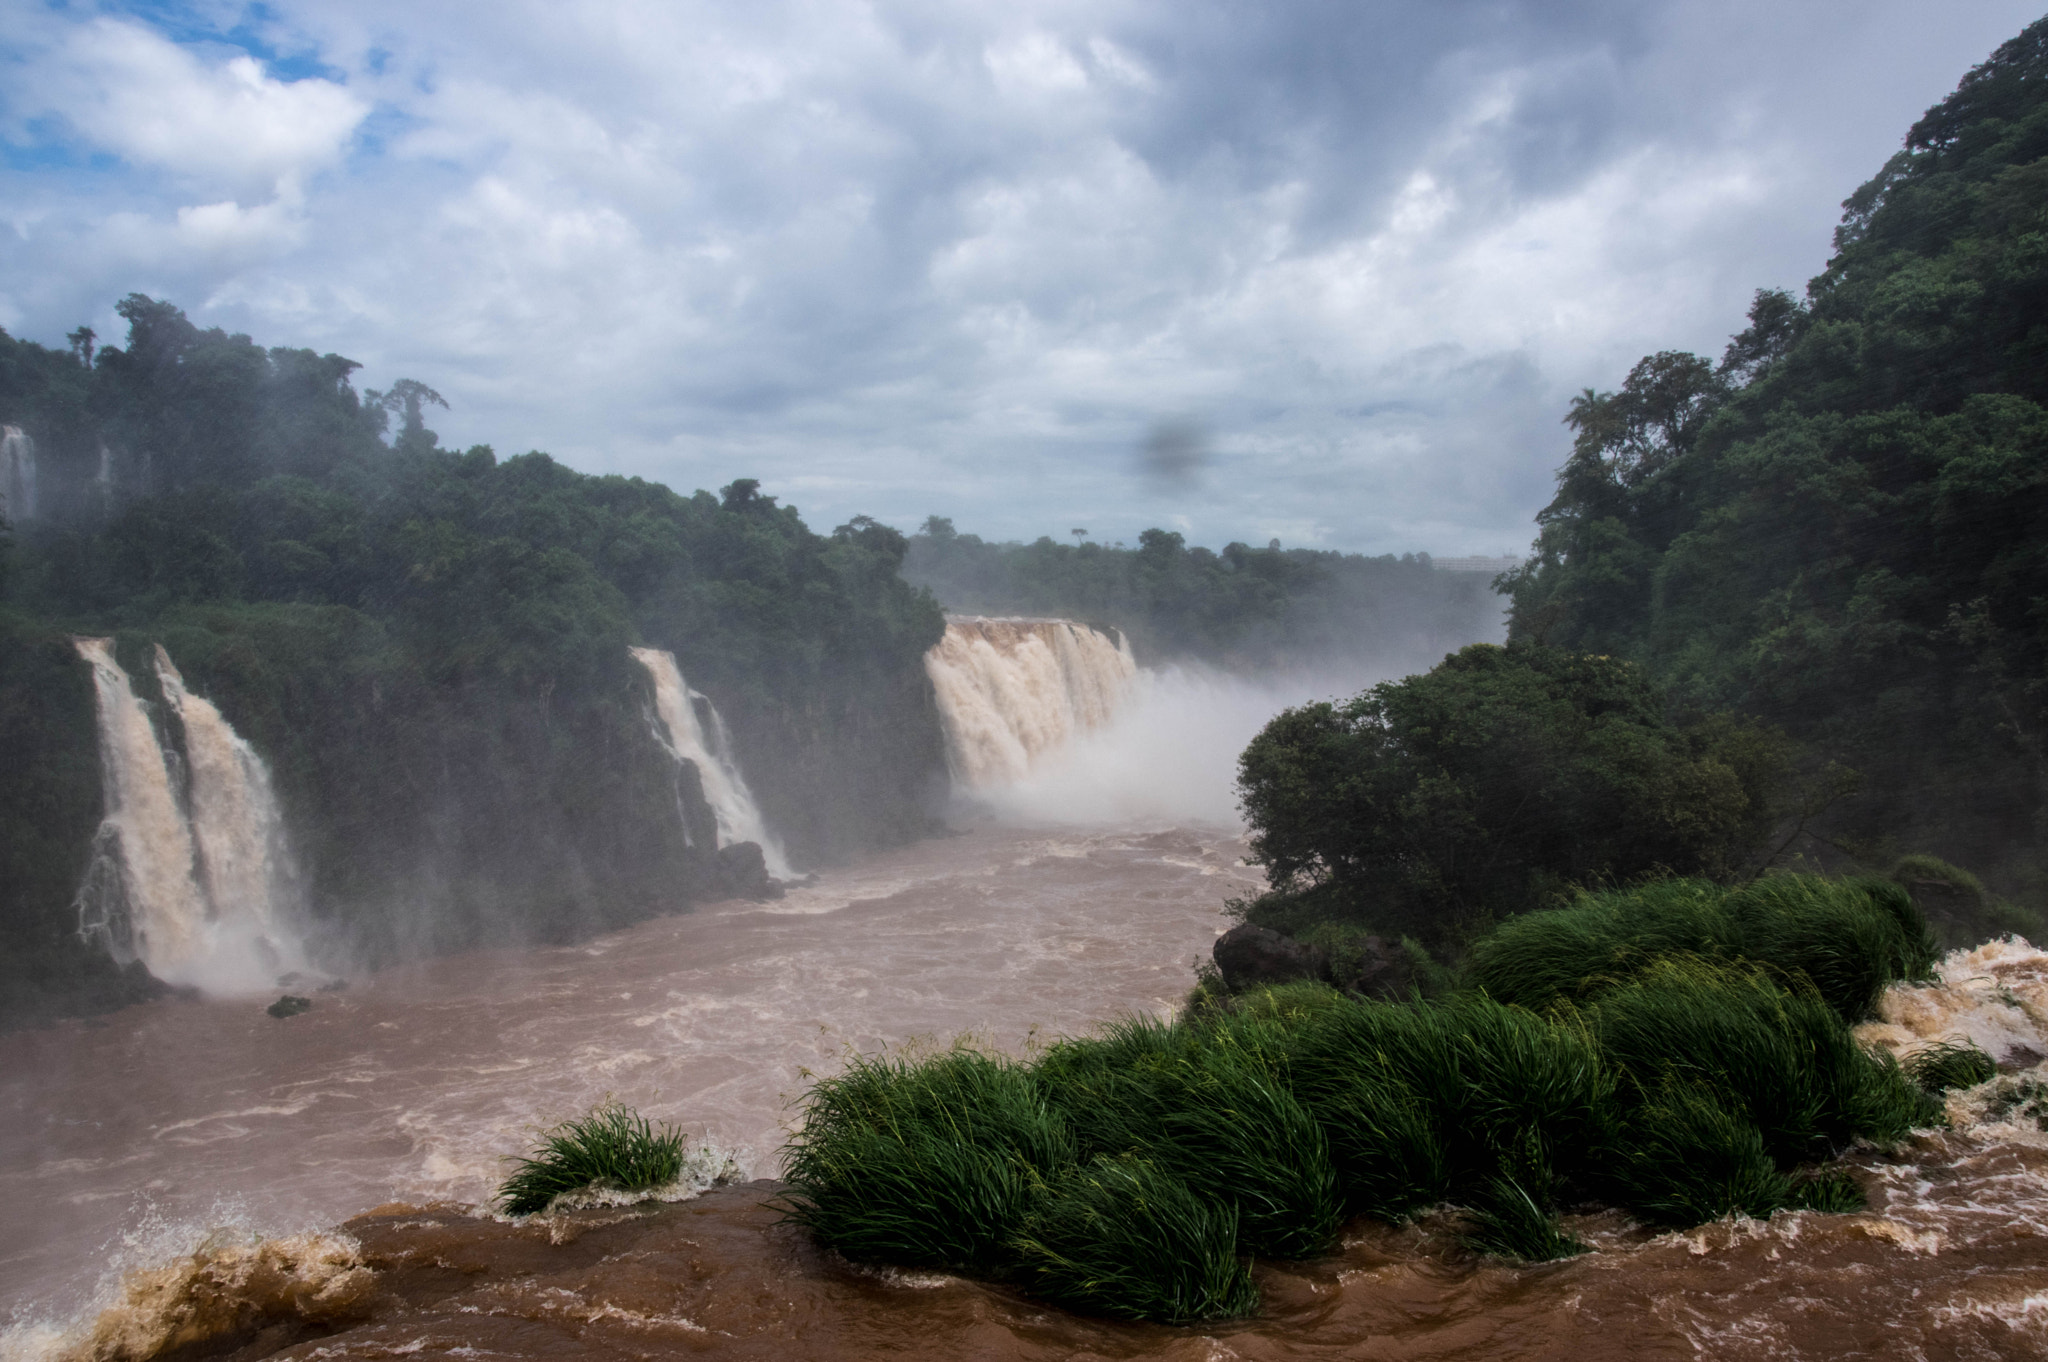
<point>1788,608</point>
<point>1837,527</point>
<point>428,646</point>
<point>1250,609</point>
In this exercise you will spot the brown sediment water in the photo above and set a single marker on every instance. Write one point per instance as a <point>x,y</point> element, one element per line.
<point>408,1088</point>
<point>125,1140</point>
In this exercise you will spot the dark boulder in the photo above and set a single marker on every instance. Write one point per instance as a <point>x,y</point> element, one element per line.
<point>743,871</point>
<point>1256,957</point>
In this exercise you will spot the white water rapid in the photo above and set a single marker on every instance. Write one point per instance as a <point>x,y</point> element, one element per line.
<point>190,875</point>
<point>17,474</point>
<point>725,789</point>
<point>1012,690</point>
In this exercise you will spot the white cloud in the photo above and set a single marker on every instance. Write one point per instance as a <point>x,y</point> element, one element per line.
<point>129,89</point>
<point>903,259</point>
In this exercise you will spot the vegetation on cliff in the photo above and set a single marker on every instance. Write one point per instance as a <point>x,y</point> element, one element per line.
<point>1837,527</point>
<point>429,648</point>
<point>1254,608</point>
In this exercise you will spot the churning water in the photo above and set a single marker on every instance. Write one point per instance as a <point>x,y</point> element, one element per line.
<point>187,1167</point>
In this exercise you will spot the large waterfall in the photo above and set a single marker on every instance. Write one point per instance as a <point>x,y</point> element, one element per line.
<point>190,871</point>
<point>1012,690</point>
<point>701,739</point>
<point>17,474</point>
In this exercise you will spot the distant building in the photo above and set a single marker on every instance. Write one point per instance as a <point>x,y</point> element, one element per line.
<point>1492,567</point>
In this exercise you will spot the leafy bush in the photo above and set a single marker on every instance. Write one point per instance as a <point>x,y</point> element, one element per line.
<point>1488,786</point>
<point>612,1148</point>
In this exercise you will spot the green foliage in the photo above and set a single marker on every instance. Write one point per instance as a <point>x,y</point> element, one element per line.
<point>430,649</point>
<point>1836,528</point>
<point>1126,1173</point>
<point>1488,786</point>
<point>1689,1154</point>
<point>611,1149</point>
<point>926,1163</point>
<point>1506,1220</point>
<point>1125,1238</point>
<point>289,1005</point>
<point>1847,939</point>
<point>1243,606</point>
<point>1938,1068</point>
<point>1831,1193</point>
<point>1779,1055</point>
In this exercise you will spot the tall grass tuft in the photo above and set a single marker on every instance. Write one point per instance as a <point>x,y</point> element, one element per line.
<point>1689,1155</point>
<point>1939,1068</point>
<point>925,1162</point>
<point>1850,939</point>
<point>1678,1049</point>
<point>1506,1220</point>
<point>611,1148</point>
<point>1124,1237</point>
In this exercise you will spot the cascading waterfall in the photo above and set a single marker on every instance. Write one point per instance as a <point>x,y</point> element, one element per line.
<point>683,733</point>
<point>1011,690</point>
<point>190,871</point>
<point>17,474</point>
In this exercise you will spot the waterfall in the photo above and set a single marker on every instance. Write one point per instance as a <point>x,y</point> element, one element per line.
<point>190,872</point>
<point>683,732</point>
<point>17,474</point>
<point>1012,690</point>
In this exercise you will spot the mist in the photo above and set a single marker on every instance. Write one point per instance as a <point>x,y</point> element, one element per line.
<point>1169,753</point>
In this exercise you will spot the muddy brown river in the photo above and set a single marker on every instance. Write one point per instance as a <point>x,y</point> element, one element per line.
<point>200,1176</point>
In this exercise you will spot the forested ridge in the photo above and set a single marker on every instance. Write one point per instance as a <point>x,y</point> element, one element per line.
<point>1240,607</point>
<point>428,646</point>
<point>1841,526</point>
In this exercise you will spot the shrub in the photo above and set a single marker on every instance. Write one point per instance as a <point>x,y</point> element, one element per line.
<point>1124,1237</point>
<point>611,1148</point>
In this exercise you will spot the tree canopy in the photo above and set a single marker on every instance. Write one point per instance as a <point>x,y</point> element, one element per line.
<point>1837,525</point>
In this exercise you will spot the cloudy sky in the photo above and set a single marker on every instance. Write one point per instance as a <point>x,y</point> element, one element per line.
<point>1335,268</point>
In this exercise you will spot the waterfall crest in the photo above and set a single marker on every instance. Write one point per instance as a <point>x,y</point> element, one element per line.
<point>704,742</point>
<point>17,474</point>
<point>1011,690</point>
<point>190,871</point>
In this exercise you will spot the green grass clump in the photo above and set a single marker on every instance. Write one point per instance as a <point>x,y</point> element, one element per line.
<point>1124,1237</point>
<point>1689,1154</point>
<point>925,1163</point>
<point>611,1148</point>
<point>1834,1193</point>
<point>1851,939</point>
<point>1939,1068</point>
<point>1655,1066</point>
<point>1506,1220</point>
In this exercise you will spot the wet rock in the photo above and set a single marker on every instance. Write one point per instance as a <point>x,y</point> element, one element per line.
<point>290,1005</point>
<point>1248,956</point>
<point>743,871</point>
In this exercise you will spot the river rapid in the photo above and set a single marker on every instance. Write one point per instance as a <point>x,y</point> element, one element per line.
<point>309,1186</point>
<point>193,1178</point>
